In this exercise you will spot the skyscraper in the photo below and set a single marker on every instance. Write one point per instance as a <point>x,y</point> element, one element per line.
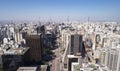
<point>77,45</point>
<point>34,42</point>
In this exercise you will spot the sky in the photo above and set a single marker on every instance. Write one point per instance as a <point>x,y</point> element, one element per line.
<point>60,10</point>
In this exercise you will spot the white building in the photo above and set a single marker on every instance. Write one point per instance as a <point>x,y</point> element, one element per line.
<point>111,59</point>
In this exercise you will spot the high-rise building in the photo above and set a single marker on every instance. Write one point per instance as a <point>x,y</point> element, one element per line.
<point>103,57</point>
<point>113,62</point>
<point>12,59</point>
<point>77,45</point>
<point>98,38</point>
<point>18,36</point>
<point>111,59</point>
<point>34,42</point>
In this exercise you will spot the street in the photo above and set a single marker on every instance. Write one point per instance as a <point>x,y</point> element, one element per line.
<point>56,65</point>
<point>56,62</point>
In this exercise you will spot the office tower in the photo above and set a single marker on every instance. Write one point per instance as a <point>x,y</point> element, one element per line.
<point>34,42</point>
<point>77,45</point>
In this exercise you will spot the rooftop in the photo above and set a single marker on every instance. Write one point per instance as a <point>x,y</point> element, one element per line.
<point>27,69</point>
<point>13,51</point>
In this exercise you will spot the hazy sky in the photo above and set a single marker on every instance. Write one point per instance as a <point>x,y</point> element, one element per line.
<point>59,9</point>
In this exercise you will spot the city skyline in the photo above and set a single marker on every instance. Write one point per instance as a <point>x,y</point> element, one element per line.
<point>78,10</point>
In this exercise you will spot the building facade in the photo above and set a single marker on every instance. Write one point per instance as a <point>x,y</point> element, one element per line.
<point>34,42</point>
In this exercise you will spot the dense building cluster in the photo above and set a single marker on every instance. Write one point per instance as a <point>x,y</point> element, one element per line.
<point>94,44</point>
<point>75,46</point>
<point>24,45</point>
